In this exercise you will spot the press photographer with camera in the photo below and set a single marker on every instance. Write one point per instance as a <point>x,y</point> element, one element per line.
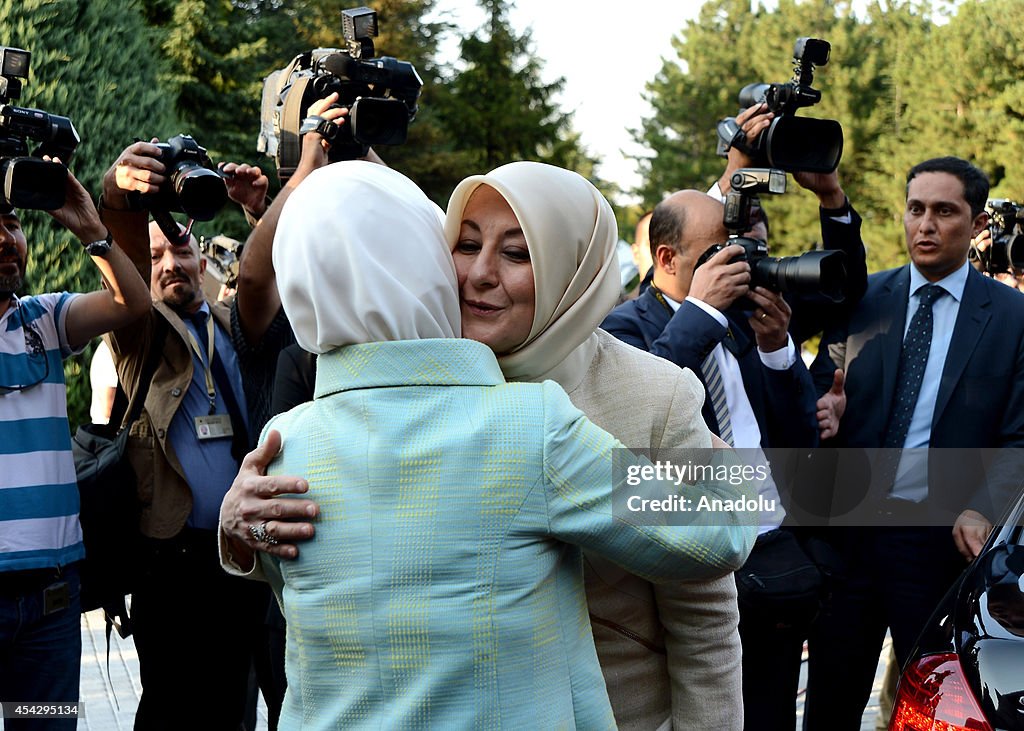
<point>39,581</point>
<point>766,131</point>
<point>193,624</point>
<point>759,395</point>
<point>998,251</point>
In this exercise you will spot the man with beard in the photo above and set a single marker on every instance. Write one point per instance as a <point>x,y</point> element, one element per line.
<point>40,536</point>
<point>192,622</point>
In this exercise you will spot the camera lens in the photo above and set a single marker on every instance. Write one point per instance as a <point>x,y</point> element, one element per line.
<point>29,182</point>
<point>201,192</point>
<point>379,121</point>
<point>1015,250</point>
<point>804,143</point>
<point>816,272</point>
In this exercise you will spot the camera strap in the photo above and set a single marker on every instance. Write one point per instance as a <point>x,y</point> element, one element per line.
<point>290,142</point>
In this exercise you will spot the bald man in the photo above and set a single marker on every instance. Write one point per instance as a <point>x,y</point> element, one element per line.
<point>192,622</point>
<point>758,395</point>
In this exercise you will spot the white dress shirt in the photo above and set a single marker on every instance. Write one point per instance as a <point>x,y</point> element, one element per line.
<point>745,431</point>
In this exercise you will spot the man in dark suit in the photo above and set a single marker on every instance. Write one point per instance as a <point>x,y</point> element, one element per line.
<point>759,395</point>
<point>687,313</point>
<point>927,364</point>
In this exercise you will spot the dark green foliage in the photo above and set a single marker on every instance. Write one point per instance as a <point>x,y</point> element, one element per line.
<point>904,87</point>
<point>103,75</point>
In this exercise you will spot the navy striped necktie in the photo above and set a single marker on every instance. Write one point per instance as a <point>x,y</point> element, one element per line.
<point>913,360</point>
<point>716,393</point>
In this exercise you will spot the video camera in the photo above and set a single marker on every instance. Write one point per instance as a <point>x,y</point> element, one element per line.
<point>1006,251</point>
<point>28,180</point>
<point>380,94</point>
<point>193,187</point>
<point>814,272</point>
<point>222,254</point>
<point>791,143</point>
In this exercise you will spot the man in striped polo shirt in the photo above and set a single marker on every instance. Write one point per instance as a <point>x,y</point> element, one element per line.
<point>40,537</point>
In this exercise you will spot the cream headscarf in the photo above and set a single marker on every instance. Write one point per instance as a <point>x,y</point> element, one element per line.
<point>360,257</point>
<point>571,234</point>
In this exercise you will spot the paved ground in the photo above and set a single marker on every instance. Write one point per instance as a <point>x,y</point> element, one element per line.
<point>110,703</point>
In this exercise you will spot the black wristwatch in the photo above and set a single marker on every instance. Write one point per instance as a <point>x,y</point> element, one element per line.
<point>100,247</point>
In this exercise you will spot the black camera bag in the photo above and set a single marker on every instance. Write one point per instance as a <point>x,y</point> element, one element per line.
<point>779,585</point>
<point>109,504</point>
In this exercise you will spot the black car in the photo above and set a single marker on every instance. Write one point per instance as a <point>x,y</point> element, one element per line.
<point>967,671</point>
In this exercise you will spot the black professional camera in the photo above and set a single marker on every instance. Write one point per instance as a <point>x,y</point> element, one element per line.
<point>193,187</point>
<point>790,143</point>
<point>28,181</point>
<point>1006,252</point>
<point>820,273</point>
<point>380,94</point>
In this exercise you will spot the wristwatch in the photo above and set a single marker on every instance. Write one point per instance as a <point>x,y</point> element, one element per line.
<point>101,247</point>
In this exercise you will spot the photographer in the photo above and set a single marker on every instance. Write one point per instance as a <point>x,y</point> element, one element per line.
<point>1011,276</point>
<point>40,637</point>
<point>758,395</point>
<point>193,623</point>
<point>840,229</point>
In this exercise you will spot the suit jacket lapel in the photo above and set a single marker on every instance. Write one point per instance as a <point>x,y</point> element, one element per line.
<point>971,319</point>
<point>892,308</point>
<point>652,312</point>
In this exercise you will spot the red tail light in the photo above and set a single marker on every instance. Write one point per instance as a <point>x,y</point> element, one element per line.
<point>933,696</point>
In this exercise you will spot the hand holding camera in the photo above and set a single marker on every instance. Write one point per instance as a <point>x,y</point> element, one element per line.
<point>78,214</point>
<point>379,96</point>
<point>998,249</point>
<point>316,145</point>
<point>722,279</point>
<point>789,142</point>
<point>770,319</point>
<point>752,121</point>
<point>247,186</point>
<point>137,169</point>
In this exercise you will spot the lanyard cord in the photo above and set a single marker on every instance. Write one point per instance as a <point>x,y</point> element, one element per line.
<point>211,390</point>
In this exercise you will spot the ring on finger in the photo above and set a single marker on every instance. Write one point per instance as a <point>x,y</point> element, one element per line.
<point>262,535</point>
<point>764,315</point>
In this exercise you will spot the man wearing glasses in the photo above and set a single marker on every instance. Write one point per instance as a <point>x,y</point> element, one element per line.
<point>40,536</point>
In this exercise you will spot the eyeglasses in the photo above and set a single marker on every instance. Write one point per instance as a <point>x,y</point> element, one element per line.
<point>35,356</point>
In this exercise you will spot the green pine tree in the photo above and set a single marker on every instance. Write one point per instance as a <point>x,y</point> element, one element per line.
<point>103,75</point>
<point>497,108</point>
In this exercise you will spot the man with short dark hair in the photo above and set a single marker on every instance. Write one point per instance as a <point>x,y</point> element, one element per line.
<point>927,365</point>
<point>40,536</point>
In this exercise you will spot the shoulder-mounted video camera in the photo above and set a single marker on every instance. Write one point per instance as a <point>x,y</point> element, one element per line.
<point>1006,251</point>
<point>380,94</point>
<point>791,143</point>
<point>821,273</point>
<point>28,181</point>
<point>193,186</point>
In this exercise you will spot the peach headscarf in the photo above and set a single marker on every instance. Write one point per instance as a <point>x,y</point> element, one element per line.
<point>571,234</point>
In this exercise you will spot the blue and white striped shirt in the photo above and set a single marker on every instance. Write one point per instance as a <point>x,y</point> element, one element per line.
<point>39,525</point>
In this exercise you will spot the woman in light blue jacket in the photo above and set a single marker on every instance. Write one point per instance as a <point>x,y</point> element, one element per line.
<point>444,586</point>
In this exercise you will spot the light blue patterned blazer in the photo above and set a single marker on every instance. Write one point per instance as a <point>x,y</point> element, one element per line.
<point>443,588</point>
